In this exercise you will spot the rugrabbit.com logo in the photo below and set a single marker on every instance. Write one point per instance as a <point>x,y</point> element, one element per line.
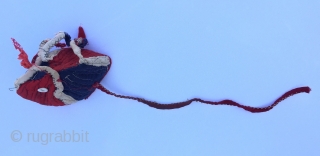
<point>49,137</point>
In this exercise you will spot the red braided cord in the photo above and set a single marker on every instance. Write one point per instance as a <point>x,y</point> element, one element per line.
<point>223,102</point>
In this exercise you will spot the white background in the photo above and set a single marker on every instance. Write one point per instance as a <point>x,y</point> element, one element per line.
<point>169,51</point>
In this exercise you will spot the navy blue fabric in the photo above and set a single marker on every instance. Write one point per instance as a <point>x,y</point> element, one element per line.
<point>44,64</point>
<point>67,39</point>
<point>84,43</point>
<point>78,81</point>
<point>39,74</point>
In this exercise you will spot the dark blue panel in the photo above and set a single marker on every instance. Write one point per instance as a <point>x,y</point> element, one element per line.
<point>39,74</point>
<point>78,81</point>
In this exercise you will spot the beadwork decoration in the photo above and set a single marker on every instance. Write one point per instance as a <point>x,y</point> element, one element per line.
<point>67,75</point>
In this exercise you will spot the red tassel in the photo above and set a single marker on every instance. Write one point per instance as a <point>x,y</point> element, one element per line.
<point>81,33</point>
<point>22,56</point>
<point>223,102</point>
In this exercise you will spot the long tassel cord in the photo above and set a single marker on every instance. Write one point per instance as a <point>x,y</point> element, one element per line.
<point>223,102</point>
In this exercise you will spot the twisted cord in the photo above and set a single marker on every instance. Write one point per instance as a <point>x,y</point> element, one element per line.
<point>223,102</point>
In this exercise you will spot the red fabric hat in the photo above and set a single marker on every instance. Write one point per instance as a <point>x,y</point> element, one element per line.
<point>68,78</point>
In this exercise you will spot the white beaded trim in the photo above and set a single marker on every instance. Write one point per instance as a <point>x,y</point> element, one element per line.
<point>46,45</point>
